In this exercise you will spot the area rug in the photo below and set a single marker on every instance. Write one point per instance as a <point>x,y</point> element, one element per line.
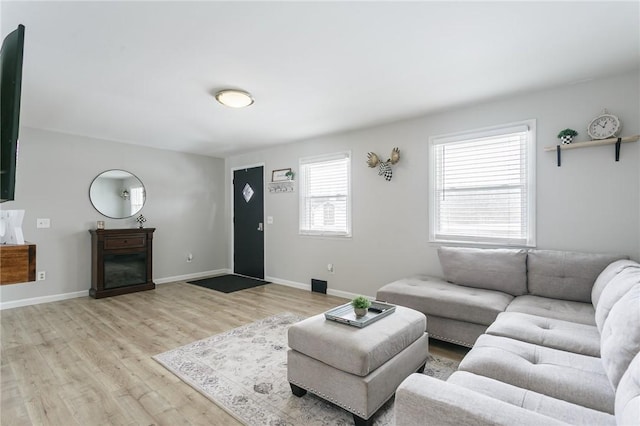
<point>244,371</point>
<point>228,283</point>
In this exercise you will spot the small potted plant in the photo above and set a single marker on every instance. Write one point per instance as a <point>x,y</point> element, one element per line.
<point>566,135</point>
<point>360,305</point>
<point>289,175</point>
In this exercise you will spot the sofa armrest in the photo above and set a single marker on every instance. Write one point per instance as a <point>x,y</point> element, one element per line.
<point>423,400</point>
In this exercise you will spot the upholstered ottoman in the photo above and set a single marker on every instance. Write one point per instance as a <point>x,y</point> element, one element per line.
<point>358,369</point>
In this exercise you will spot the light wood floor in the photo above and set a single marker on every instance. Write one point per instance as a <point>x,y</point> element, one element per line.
<point>88,362</point>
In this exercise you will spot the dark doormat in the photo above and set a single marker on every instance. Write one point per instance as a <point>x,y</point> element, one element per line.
<point>229,283</point>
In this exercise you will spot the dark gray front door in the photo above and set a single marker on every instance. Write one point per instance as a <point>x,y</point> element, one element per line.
<point>248,222</point>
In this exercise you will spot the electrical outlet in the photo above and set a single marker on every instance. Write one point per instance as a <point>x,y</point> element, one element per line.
<point>42,275</point>
<point>43,223</point>
<point>330,268</point>
<point>189,258</point>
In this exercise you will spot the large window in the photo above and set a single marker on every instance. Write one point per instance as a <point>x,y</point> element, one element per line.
<point>482,187</point>
<point>325,195</point>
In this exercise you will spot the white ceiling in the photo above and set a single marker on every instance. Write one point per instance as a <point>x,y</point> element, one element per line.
<point>145,72</point>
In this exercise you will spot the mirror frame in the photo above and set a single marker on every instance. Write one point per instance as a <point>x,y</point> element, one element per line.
<point>103,206</point>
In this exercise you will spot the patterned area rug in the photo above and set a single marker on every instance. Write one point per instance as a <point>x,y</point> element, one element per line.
<point>245,372</point>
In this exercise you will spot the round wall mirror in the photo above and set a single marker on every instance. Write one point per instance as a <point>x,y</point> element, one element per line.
<point>117,194</point>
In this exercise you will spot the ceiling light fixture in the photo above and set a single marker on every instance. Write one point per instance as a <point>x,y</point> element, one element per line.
<point>234,98</point>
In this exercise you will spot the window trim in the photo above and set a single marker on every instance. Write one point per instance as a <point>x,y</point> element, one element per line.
<point>318,159</point>
<point>531,182</point>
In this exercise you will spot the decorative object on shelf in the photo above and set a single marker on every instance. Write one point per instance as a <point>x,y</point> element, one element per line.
<point>141,219</point>
<point>566,136</point>
<point>281,175</point>
<point>604,126</point>
<point>124,194</point>
<point>384,167</point>
<point>11,227</point>
<point>360,305</point>
<point>100,224</point>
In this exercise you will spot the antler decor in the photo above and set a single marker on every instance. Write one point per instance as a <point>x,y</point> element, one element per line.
<point>384,167</point>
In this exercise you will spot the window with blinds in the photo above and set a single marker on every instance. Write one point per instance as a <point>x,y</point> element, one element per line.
<point>137,198</point>
<point>483,186</point>
<point>325,199</point>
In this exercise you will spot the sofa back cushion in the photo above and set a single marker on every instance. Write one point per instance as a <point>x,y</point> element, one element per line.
<point>607,275</point>
<point>627,408</point>
<point>613,292</point>
<point>565,275</point>
<point>492,269</point>
<point>620,337</point>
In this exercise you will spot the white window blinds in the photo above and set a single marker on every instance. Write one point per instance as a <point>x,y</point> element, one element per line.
<point>325,205</point>
<point>137,198</point>
<point>482,186</point>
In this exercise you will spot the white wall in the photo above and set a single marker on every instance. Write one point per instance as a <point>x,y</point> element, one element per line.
<point>589,204</point>
<point>185,197</point>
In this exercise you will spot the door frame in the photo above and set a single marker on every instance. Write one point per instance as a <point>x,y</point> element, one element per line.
<point>232,215</point>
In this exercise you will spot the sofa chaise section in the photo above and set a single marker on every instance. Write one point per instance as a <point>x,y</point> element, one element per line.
<point>455,313</point>
<point>477,286</point>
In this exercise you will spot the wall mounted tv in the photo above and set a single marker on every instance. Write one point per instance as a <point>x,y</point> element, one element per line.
<point>10,87</point>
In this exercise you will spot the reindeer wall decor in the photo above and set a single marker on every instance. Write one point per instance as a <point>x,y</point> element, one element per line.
<point>384,167</point>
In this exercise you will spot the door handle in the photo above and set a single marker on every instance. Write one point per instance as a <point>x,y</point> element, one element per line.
<point>260,227</point>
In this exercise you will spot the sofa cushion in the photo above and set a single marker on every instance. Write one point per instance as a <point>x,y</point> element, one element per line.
<point>617,287</point>
<point>550,332</point>
<point>628,395</point>
<point>575,378</point>
<point>607,275</point>
<point>532,401</point>
<point>433,296</point>
<point>565,275</point>
<point>621,335</point>
<point>356,350</point>
<point>492,269</point>
<point>565,310</point>
<point>427,401</point>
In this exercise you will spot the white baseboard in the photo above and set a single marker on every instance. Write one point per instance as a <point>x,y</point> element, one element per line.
<point>84,293</point>
<point>43,299</point>
<point>57,297</point>
<point>288,283</point>
<point>191,276</point>
<point>332,292</point>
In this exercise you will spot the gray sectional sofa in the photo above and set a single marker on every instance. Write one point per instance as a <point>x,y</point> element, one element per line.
<point>479,284</point>
<point>555,336</point>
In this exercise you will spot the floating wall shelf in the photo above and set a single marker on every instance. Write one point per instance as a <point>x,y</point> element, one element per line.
<point>587,144</point>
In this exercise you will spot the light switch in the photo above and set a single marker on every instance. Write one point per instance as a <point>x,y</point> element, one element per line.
<point>43,223</point>
<point>269,220</point>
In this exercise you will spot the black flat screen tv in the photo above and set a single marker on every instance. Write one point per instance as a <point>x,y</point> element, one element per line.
<point>10,90</point>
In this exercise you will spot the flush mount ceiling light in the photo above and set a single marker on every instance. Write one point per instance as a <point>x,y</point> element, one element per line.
<point>234,98</point>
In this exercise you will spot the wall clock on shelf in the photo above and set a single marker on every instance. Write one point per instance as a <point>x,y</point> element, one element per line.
<point>604,126</point>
